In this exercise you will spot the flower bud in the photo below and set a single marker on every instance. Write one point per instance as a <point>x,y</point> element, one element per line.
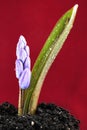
<point>19,68</point>
<point>24,79</point>
<point>22,64</point>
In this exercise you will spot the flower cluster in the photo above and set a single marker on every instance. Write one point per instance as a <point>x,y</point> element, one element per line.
<point>22,64</point>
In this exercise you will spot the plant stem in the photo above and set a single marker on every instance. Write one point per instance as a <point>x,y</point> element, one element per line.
<point>21,101</point>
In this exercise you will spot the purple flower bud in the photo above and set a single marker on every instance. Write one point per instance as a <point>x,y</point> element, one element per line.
<point>24,79</point>
<point>19,68</point>
<point>27,50</point>
<point>22,65</point>
<point>27,63</point>
<point>22,40</point>
<point>21,44</point>
<point>22,55</point>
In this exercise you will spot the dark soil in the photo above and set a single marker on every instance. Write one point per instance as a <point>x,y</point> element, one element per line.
<point>47,117</point>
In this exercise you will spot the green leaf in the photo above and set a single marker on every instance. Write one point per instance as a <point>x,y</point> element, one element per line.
<point>46,57</point>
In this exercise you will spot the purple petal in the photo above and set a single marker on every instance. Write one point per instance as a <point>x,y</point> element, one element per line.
<point>27,50</point>
<point>27,63</point>
<point>24,80</point>
<point>18,68</point>
<point>22,39</point>
<point>21,54</point>
<point>21,44</point>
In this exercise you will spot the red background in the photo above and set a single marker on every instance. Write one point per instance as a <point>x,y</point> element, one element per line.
<point>66,82</point>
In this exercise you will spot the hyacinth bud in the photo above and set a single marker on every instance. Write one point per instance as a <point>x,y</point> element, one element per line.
<point>24,80</point>
<point>19,68</point>
<point>22,64</point>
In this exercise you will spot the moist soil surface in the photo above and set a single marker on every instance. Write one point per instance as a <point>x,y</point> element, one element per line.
<point>47,117</point>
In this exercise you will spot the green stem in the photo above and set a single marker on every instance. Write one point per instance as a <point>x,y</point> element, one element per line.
<point>46,57</point>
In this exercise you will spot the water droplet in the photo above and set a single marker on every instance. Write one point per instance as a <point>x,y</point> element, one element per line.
<point>56,30</point>
<point>32,123</point>
<point>46,55</point>
<point>53,57</point>
<point>41,127</point>
<point>58,25</point>
<point>50,48</point>
<point>16,128</point>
